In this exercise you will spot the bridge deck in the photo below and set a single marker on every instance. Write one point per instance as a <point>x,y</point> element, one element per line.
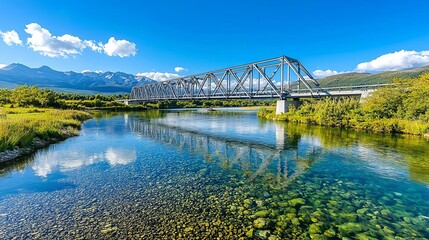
<point>305,94</point>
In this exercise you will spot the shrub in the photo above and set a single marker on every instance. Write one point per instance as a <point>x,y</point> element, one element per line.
<point>400,108</point>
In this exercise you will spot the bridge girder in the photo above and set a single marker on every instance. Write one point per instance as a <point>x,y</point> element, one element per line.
<point>262,79</point>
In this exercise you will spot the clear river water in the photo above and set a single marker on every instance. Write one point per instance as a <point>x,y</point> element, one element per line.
<point>192,174</point>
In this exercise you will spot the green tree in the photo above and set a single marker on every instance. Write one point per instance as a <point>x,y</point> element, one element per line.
<point>416,102</point>
<point>25,96</point>
<point>5,96</point>
<point>386,102</point>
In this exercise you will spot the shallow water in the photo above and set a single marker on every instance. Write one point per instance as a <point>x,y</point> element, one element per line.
<point>227,174</point>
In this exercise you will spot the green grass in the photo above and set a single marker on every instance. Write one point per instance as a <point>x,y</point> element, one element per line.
<point>20,126</point>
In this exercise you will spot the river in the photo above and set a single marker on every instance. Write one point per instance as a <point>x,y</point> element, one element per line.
<point>192,174</point>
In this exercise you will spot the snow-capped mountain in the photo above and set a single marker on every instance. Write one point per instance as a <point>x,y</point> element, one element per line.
<point>106,82</point>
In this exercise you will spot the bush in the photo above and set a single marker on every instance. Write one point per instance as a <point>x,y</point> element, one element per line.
<point>400,108</point>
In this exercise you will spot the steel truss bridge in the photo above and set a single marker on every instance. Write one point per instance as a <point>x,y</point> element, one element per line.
<point>272,78</point>
<point>282,77</point>
<point>253,159</point>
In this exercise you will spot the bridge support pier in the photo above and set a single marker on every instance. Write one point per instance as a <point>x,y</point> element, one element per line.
<point>284,105</point>
<point>365,94</point>
<point>130,103</point>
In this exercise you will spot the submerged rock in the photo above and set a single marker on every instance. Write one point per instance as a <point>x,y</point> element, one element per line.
<point>296,202</point>
<point>261,223</point>
<point>249,233</point>
<point>350,228</point>
<point>109,229</point>
<point>295,221</point>
<point>330,233</point>
<point>281,225</point>
<point>362,236</point>
<point>386,213</point>
<point>362,211</point>
<point>348,217</point>
<point>259,203</point>
<point>261,214</point>
<point>264,234</point>
<point>248,202</point>
<point>314,228</point>
<point>273,237</point>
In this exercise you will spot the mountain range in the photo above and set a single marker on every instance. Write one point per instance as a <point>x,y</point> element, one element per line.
<point>72,82</point>
<point>121,83</point>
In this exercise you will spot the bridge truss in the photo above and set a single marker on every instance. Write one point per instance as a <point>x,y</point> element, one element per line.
<point>271,78</point>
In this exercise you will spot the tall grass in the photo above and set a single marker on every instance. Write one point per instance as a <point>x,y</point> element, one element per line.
<point>20,126</point>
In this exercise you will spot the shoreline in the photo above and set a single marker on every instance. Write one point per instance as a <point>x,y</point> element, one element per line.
<point>10,155</point>
<point>26,130</point>
<point>267,117</point>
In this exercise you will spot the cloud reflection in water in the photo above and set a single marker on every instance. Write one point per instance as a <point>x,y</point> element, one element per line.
<point>65,160</point>
<point>120,156</point>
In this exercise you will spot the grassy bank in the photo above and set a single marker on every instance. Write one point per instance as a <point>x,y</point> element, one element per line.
<point>21,126</point>
<point>402,108</point>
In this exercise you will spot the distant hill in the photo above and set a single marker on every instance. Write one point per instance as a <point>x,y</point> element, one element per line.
<point>72,82</point>
<point>349,79</point>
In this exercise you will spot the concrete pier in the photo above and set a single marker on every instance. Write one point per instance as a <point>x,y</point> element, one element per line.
<point>284,105</point>
<point>366,94</point>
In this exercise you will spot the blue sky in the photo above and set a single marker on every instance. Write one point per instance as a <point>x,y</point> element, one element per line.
<point>155,37</point>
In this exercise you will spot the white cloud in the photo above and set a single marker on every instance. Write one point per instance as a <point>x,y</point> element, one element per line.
<point>43,41</point>
<point>10,38</point>
<point>158,76</point>
<point>2,65</point>
<point>94,47</point>
<point>326,73</point>
<point>180,69</point>
<point>121,48</point>
<point>396,61</point>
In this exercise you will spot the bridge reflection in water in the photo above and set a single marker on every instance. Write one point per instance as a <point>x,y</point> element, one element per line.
<point>282,164</point>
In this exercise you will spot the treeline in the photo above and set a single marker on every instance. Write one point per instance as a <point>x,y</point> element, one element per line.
<point>32,96</point>
<point>400,108</point>
<point>206,103</point>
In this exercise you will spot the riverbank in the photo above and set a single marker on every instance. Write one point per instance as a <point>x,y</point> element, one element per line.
<point>24,130</point>
<point>318,115</point>
<point>399,108</point>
